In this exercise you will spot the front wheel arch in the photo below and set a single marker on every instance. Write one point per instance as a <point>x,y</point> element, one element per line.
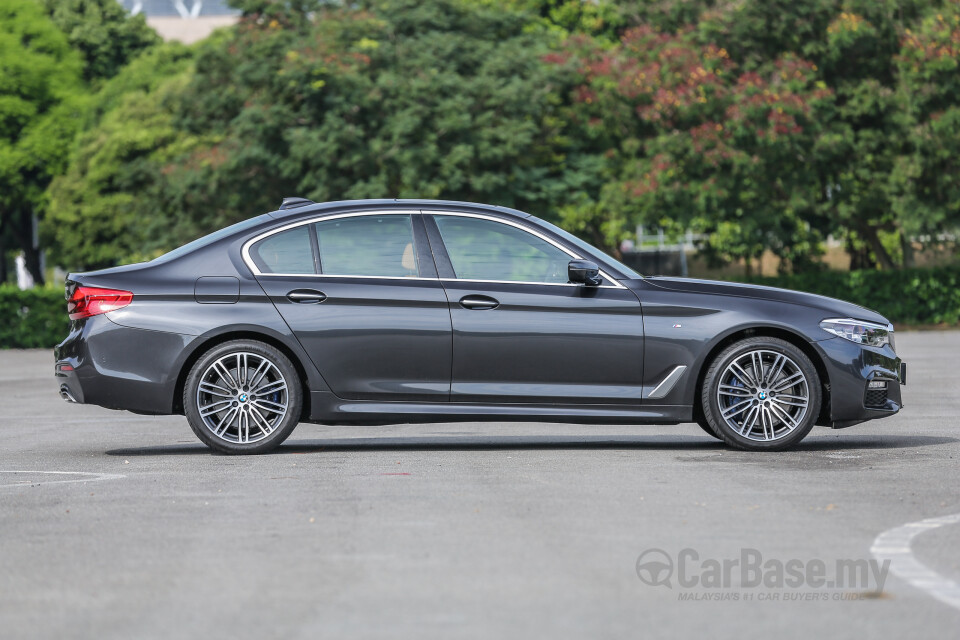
<point>751,387</point>
<point>766,332</point>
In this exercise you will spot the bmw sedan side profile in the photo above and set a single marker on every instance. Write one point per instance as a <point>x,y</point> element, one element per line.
<point>399,311</point>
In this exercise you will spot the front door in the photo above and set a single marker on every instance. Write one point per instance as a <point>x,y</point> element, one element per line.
<point>361,294</point>
<point>521,332</point>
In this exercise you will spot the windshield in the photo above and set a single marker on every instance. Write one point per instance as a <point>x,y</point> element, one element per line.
<point>212,237</point>
<point>589,248</point>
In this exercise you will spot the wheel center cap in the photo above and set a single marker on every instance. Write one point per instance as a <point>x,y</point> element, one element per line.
<point>763,395</point>
<point>243,397</point>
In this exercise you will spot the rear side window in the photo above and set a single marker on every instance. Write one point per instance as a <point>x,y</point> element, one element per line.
<point>285,252</point>
<point>370,245</point>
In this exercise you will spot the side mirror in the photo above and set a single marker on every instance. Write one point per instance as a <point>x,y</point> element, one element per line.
<point>584,272</point>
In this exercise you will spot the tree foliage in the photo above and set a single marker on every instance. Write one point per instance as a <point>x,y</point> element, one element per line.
<point>39,88</point>
<point>106,37</point>
<point>438,99</point>
<point>105,206</point>
<point>700,142</point>
<point>50,52</point>
<point>767,125</point>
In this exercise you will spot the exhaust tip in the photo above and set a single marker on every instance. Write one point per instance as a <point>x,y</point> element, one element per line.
<point>66,395</point>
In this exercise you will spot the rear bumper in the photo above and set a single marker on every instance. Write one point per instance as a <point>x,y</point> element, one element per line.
<point>850,368</point>
<point>103,363</point>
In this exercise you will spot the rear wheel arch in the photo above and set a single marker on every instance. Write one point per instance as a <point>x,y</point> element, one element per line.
<point>766,332</point>
<point>209,343</point>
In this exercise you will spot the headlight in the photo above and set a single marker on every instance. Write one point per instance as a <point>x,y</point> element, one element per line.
<point>859,331</point>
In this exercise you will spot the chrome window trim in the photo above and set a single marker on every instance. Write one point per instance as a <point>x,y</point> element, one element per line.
<point>573,255</point>
<point>245,250</point>
<point>334,275</point>
<point>541,284</point>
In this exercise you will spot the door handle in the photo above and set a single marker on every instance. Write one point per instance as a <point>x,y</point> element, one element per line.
<point>306,296</point>
<point>479,302</point>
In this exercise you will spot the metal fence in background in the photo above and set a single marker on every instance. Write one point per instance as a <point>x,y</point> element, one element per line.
<point>668,261</point>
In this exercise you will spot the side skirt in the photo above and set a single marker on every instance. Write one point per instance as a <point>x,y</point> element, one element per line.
<point>328,408</point>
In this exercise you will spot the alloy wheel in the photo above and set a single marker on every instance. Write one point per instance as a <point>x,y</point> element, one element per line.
<point>763,395</point>
<point>242,397</point>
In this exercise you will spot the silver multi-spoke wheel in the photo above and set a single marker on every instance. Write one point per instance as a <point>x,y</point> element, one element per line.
<point>763,395</point>
<point>242,397</point>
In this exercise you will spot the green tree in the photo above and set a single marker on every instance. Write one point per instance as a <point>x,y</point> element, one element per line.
<point>403,99</point>
<point>695,141</point>
<point>49,53</point>
<point>925,179</point>
<point>766,124</point>
<point>854,44</point>
<point>40,86</point>
<point>445,99</point>
<point>871,159</point>
<point>102,31</point>
<point>108,205</point>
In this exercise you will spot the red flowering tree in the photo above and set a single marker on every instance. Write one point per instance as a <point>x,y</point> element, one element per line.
<point>699,142</point>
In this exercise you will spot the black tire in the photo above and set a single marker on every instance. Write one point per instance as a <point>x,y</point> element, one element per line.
<point>258,417</point>
<point>707,429</point>
<point>788,424</point>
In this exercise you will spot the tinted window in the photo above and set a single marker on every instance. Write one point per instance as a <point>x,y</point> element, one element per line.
<point>285,252</point>
<point>589,248</point>
<point>368,246</point>
<point>487,250</point>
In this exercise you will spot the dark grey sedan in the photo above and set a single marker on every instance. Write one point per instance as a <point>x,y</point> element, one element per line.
<point>387,311</point>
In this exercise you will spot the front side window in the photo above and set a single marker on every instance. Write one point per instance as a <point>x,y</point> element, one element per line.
<point>369,245</point>
<point>487,250</point>
<point>287,252</point>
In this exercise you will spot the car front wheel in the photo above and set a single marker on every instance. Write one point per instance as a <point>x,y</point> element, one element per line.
<point>243,396</point>
<point>707,429</point>
<point>761,394</point>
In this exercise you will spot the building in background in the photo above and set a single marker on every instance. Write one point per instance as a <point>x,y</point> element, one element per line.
<point>184,20</point>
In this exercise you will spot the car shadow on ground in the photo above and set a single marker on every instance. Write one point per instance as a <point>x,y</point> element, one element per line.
<point>509,443</point>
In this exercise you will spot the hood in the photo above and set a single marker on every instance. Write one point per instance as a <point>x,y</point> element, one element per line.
<point>830,306</point>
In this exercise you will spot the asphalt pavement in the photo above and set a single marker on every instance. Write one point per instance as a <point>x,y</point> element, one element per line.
<point>114,525</point>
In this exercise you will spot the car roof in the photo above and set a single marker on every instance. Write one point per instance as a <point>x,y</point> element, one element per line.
<point>301,210</point>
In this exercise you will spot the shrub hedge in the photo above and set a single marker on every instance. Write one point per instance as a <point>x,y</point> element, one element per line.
<point>909,296</point>
<point>37,318</point>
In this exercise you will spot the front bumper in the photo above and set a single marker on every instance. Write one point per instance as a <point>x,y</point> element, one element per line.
<point>850,368</point>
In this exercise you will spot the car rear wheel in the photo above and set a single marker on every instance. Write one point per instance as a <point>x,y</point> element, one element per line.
<point>243,396</point>
<point>761,394</point>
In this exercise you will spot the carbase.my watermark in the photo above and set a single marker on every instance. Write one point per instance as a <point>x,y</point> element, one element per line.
<point>750,570</point>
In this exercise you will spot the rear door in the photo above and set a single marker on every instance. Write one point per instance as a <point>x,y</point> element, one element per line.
<point>361,293</point>
<point>521,331</point>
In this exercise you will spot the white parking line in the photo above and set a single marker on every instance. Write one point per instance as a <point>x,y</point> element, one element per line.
<point>88,477</point>
<point>894,545</point>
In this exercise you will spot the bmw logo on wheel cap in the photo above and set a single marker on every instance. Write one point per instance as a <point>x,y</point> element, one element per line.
<point>243,397</point>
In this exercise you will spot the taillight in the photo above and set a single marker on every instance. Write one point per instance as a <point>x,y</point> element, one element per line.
<point>91,301</point>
